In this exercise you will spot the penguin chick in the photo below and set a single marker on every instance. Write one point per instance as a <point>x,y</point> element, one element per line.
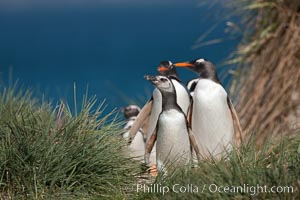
<point>136,148</point>
<point>150,112</point>
<point>174,138</point>
<point>131,111</point>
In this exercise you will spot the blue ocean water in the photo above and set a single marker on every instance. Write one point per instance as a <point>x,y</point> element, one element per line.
<point>107,47</point>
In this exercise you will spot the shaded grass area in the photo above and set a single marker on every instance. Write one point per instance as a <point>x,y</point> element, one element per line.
<point>273,172</point>
<point>49,153</point>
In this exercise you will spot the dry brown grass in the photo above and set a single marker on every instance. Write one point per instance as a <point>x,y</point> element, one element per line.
<point>268,94</point>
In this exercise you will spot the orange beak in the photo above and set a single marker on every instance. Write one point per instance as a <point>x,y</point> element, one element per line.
<point>183,64</point>
<point>160,69</point>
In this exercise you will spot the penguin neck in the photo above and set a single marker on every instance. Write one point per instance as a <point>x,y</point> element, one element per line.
<point>209,75</point>
<point>169,100</point>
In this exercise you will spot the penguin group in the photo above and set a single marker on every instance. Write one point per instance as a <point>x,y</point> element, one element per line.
<point>180,125</point>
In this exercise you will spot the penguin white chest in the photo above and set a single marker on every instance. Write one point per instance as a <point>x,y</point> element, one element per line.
<point>212,121</point>
<point>172,139</point>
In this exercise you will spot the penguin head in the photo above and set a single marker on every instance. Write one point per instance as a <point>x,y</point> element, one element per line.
<point>166,68</point>
<point>198,66</point>
<point>201,66</point>
<point>131,111</point>
<point>162,83</point>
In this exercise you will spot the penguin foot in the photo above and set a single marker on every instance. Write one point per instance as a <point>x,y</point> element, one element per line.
<point>153,171</point>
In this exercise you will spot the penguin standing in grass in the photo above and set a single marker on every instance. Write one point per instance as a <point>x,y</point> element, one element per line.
<point>136,149</point>
<point>150,112</point>
<point>172,133</point>
<point>212,115</point>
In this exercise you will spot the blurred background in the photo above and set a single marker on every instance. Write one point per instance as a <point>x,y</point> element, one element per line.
<point>106,45</point>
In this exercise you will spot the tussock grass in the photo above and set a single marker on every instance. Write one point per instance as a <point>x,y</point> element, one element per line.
<point>52,153</point>
<point>48,153</point>
<point>267,90</point>
<point>277,163</point>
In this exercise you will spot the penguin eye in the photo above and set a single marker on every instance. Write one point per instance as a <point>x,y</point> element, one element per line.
<point>163,79</point>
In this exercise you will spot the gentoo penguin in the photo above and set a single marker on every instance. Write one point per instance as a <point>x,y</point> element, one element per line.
<point>213,117</point>
<point>136,148</point>
<point>150,112</point>
<point>172,133</point>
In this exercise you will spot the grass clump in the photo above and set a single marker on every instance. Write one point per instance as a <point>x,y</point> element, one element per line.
<point>48,153</point>
<point>51,153</point>
<point>275,164</point>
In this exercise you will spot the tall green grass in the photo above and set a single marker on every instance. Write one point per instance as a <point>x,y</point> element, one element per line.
<point>276,163</point>
<point>50,153</point>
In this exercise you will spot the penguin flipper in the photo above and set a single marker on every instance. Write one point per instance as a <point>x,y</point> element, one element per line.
<point>195,145</point>
<point>145,127</point>
<point>190,112</point>
<point>140,120</point>
<point>149,146</point>
<point>238,134</point>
